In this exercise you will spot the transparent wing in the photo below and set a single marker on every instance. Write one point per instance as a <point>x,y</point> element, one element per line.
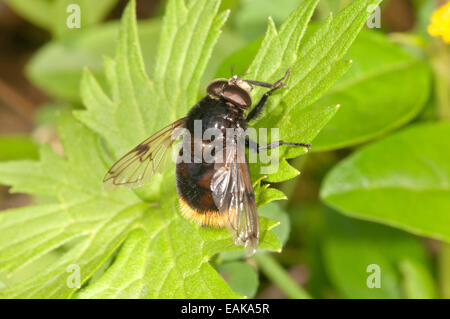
<point>233,195</point>
<point>137,167</point>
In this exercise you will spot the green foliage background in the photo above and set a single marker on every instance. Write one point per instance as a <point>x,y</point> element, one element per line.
<point>345,90</point>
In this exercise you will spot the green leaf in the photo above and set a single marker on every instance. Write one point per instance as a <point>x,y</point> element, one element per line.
<point>402,181</point>
<point>189,34</point>
<point>316,64</point>
<point>165,255</point>
<point>160,262</point>
<point>53,15</point>
<point>91,224</point>
<point>134,275</point>
<point>273,211</point>
<point>279,220</point>
<point>82,215</point>
<point>86,225</point>
<point>131,102</point>
<point>241,277</point>
<point>398,85</point>
<point>385,88</point>
<point>291,111</point>
<point>58,66</point>
<point>351,247</point>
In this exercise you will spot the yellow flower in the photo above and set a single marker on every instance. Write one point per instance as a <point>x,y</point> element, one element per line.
<point>440,23</point>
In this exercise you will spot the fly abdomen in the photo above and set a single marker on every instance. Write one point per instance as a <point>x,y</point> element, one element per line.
<point>194,190</point>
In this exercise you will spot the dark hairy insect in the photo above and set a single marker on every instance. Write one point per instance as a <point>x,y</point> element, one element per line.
<point>218,193</point>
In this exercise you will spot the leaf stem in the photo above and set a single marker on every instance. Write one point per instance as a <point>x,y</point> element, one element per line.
<point>272,269</point>
<point>444,270</point>
<point>440,62</point>
<point>440,59</point>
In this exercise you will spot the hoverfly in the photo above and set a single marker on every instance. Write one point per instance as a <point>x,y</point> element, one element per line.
<point>217,193</point>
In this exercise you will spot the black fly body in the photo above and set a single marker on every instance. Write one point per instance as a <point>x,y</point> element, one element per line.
<point>217,193</point>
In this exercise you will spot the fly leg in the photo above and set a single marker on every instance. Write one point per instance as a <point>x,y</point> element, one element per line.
<point>279,143</point>
<point>273,87</point>
<point>254,146</point>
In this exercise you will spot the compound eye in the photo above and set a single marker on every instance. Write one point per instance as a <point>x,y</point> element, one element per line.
<point>215,88</point>
<point>237,95</point>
